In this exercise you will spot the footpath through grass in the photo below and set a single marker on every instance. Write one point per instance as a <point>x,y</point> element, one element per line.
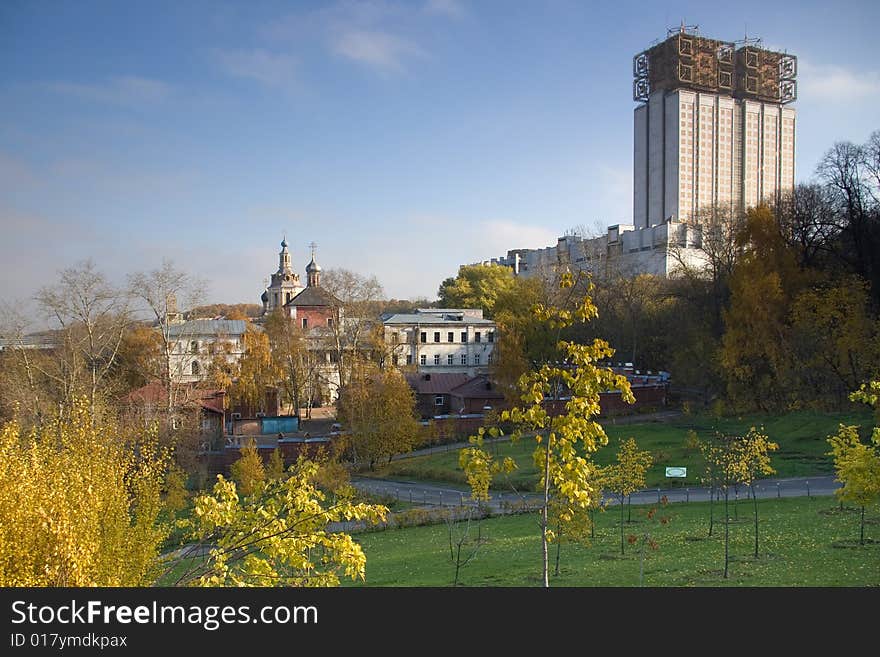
<point>801,436</point>
<point>804,542</point>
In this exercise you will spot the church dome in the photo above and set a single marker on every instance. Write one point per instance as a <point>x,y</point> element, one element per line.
<point>313,266</point>
<point>284,243</point>
<point>265,296</point>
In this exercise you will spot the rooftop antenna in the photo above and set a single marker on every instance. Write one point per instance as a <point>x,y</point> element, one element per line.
<point>749,41</point>
<point>683,28</point>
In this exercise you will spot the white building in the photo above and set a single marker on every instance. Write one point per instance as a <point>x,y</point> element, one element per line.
<point>712,129</point>
<point>441,340</point>
<point>196,343</point>
<point>657,250</point>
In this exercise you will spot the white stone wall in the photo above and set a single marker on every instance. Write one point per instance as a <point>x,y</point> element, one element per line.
<point>182,356</point>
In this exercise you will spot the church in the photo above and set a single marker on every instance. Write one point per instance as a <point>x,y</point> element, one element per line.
<point>311,306</point>
<point>314,310</point>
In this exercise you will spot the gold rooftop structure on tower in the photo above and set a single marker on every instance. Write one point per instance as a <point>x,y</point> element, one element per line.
<point>686,60</point>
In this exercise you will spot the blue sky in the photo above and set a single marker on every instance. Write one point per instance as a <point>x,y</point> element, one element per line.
<point>405,138</point>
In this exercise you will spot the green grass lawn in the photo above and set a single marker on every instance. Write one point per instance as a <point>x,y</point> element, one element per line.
<point>801,436</point>
<point>805,542</point>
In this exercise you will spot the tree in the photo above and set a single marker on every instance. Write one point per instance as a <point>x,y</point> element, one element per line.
<point>293,360</point>
<point>476,286</point>
<point>161,290</point>
<point>857,464</point>
<point>275,467</point>
<point>734,460</point>
<point>248,472</point>
<point>754,454</point>
<point>350,336</point>
<point>278,537</point>
<point>627,475</point>
<point>378,410</point>
<point>720,457</point>
<point>835,341</point>
<point>849,173</point>
<point>79,502</point>
<point>522,341</point>
<point>91,316</point>
<point>140,356</point>
<point>254,372</point>
<point>755,355</point>
<point>646,540</point>
<point>462,547</point>
<point>564,443</point>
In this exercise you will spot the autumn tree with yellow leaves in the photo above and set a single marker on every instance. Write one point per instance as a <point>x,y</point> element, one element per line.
<point>627,476</point>
<point>733,460</point>
<point>856,463</point>
<point>564,443</point>
<point>80,503</point>
<point>277,537</point>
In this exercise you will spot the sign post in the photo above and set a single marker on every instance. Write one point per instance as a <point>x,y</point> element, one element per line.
<point>676,473</point>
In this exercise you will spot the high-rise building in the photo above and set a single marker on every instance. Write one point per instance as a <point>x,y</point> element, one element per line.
<point>713,127</point>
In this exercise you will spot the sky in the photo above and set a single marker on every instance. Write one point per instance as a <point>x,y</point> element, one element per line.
<point>404,138</point>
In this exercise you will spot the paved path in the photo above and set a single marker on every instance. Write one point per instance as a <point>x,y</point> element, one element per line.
<point>428,495</point>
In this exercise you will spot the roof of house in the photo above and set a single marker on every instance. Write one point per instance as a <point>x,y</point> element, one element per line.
<point>314,296</point>
<point>435,383</point>
<point>154,394</point>
<point>217,327</point>
<point>439,318</point>
<point>478,387</point>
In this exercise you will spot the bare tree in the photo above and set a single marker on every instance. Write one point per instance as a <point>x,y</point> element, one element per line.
<point>850,175</point>
<point>161,290</point>
<point>462,547</point>
<point>361,299</point>
<point>23,365</point>
<point>92,316</point>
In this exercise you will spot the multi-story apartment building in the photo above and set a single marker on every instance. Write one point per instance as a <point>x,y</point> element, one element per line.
<point>441,340</point>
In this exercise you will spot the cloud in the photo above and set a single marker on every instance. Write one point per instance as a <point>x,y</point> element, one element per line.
<point>450,8</point>
<point>119,90</point>
<point>836,84</point>
<point>268,68</point>
<point>379,50</point>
